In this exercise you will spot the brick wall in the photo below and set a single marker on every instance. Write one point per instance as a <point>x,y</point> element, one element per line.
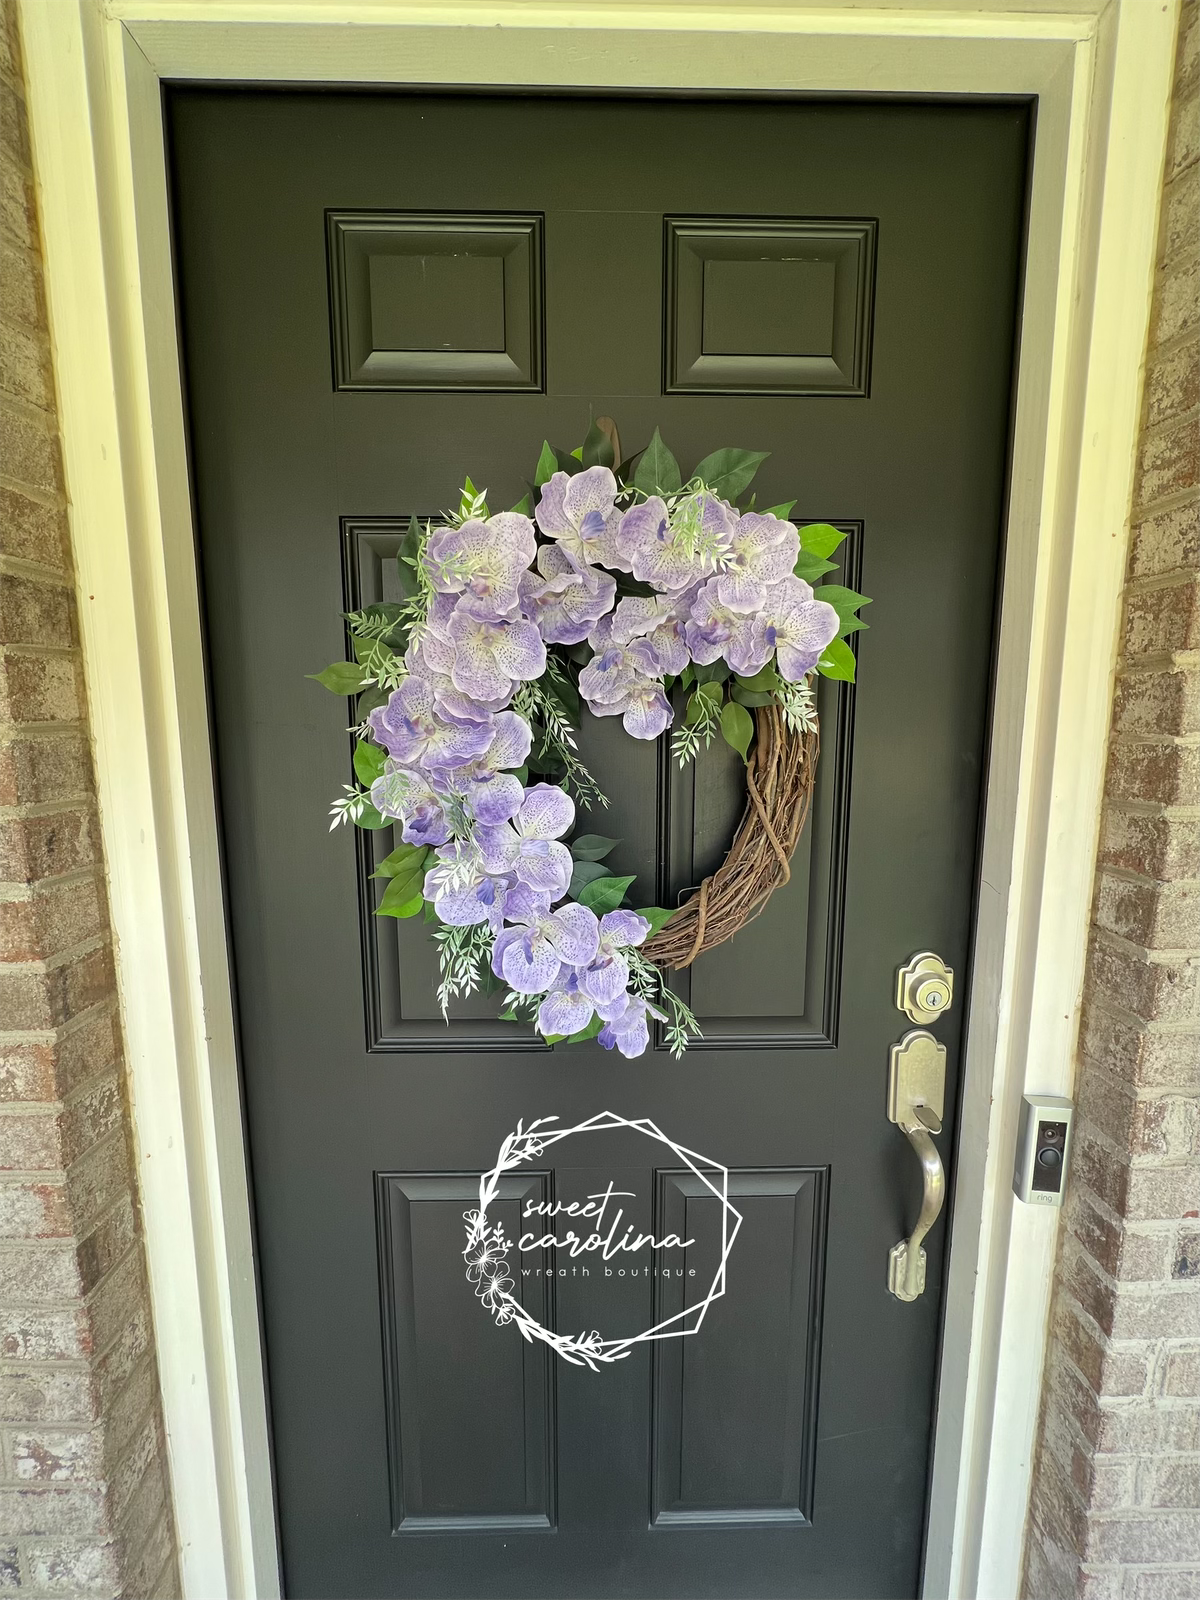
<point>83,1485</point>
<point>1115,1513</point>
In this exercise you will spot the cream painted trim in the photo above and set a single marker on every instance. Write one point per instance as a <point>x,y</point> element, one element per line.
<point>1102,70</point>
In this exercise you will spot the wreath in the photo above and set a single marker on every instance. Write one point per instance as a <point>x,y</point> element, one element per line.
<point>636,592</point>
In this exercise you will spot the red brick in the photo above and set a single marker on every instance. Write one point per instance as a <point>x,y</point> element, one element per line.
<point>1157,703</point>
<point>41,1334</point>
<point>1173,383</point>
<point>36,613</point>
<point>34,1209</point>
<point>27,1072</point>
<point>40,688</point>
<point>1181,213</point>
<point>1177,295</point>
<point>22,296</point>
<point>1152,991</point>
<point>1163,774</point>
<point>1163,619</point>
<point>29,1141</point>
<point>38,847</point>
<point>49,766</point>
<point>55,918</point>
<point>29,452</point>
<point>1156,847</point>
<point>1166,541</point>
<point>1159,916</point>
<point>33,531</point>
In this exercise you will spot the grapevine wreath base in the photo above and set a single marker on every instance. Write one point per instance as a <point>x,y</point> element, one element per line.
<point>643,595</point>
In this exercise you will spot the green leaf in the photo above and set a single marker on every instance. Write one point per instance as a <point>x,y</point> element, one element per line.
<point>406,559</point>
<point>656,916</point>
<point>547,465</point>
<point>368,762</point>
<point>567,461</point>
<point>604,894</point>
<point>583,873</point>
<point>590,1032</point>
<point>783,511</point>
<point>810,567</point>
<point>370,820</point>
<point>393,906</point>
<point>695,710</point>
<point>657,471</point>
<point>737,727</point>
<point>751,697</point>
<point>524,506</point>
<point>405,887</point>
<point>341,677</point>
<point>592,847</point>
<point>373,697</point>
<point>401,860</point>
<point>564,691</point>
<point>820,538</point>
<point>597,448</point>
<point>712,691</point>
<point>837,662</point>
<point>729,472</point>
<point>845,602</point>
<point>714,672</point>
<point>687,677</point>
<point>765,678</point>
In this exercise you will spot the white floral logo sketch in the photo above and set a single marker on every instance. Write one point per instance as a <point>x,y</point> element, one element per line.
<point>486,1252</point>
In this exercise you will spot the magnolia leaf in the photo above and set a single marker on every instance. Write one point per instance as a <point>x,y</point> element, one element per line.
<point>810,567</point>
<point>765,678</point>
<point>712,691</point>
<point>567,461</point>
<point>751,697</point>
<point>404,889</point>
<point>547,465</point>
<point>657,471</point>
<point>728,472</point>
<point>714,672</point>
<point>597,448</point>
<point>845,602</point>
<point>604,894</point>
<point>368,762</point>
<point>783,512</point>
<point>820,538</point>
<point>341,677</point>
<point>583,873</point>
<point>656,916</point>
<point>837,661</point>
<point>737,727</point>
<point>401,859</point>
<point>592,847</point>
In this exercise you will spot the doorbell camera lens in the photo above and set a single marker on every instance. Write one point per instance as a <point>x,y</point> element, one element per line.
<point>1043,1146</point>
<point>1050,1157</point>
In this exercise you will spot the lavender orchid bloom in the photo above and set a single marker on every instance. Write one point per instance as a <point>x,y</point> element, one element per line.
<point>606,976</point>
<point>652,632</point>
<point>713,630</point>
<point>412,733</point>
<point>492,653</point>
<point>644,709</point>
<point>401,793</point>
<point>610,674</point>
<point>614,684</point>
<point>528,845</point>
<point>762,551</point>
<point>564,601</point>
<point>630,1031</point>
<point>566,1008</point>
<point>449,703</point>
<point>531,955</point>
<point>490,787</point>
<point>579,512</point>
<point>796,626</point>
<point>483,559</point>
<point>463,894</point>
<point>673,550</point>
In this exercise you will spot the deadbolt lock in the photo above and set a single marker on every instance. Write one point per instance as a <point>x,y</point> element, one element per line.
<point>924,988</point>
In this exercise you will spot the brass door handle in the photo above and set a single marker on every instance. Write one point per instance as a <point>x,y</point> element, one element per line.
<point>916,1092</point>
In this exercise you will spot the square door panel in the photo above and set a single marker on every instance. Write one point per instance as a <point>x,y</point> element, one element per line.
<point>768,306</point>
<point>431,301</point>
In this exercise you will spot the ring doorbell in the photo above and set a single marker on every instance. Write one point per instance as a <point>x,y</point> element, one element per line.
<point>1043,1145</point>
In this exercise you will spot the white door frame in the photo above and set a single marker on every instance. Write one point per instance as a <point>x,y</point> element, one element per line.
<point>1101,70</point>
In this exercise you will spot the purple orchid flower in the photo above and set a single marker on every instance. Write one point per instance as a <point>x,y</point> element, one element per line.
<point>713,630</point>
<point>673,550</point>
<point>762,552</point>
<point>629,1032</point>
<point>651,630</point>
<point>489,785</point>
<point>611,672</point>
<point>564,601</point>
<point>462,893</point>
<point>483,559</point>
<point>412,733</point>
<point>528,845</point>
<point>566,1008</point>
<point>796,626</point>
<point>492,653</point>
<point>449,703</point>
<point>531,955</point>
<point>579,512</point>
<point>401,793</point>
<point>606,976</point>
<point>643,708</point>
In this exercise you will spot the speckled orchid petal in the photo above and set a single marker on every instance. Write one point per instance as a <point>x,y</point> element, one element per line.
<point>648,712</point>
<point>544,864</point>
<point>404,794</point>
<point>619,930</point>
<point>546,813</point>
<point>565,602</point>
<point>762,552</point>
<point>565,1010</point>
<point>524,959</point>
<point>483,559</point>
<point>796,626</point>
<point>492,653</point>
<point>630,1032</point>
<point>493,797</point>
<point>412,733</point>
<point>578,511</point>
<point>574,932</point>
<point>605,976</point>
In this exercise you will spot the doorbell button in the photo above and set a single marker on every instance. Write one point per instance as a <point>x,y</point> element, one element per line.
<point>924,988</point>
<point>1043,1142</point>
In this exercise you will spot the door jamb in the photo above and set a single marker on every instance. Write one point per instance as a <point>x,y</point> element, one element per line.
<point>1101,70</point>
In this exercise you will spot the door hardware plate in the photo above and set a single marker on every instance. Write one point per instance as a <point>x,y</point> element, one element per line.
<point>917,1078</point>
<point>924,988</point>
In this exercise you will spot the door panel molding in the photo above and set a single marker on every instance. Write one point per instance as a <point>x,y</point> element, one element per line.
<point>1101,72</point>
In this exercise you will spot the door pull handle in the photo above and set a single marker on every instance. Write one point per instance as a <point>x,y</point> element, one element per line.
<point>916,1094</point>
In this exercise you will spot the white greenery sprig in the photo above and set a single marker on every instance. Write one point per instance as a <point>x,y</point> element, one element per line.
<point>798,704</point>
<point>464,955</point>
<point>348,807</point>
<point>648,980</point>
<point>543,710</point>
<point>701,727</point>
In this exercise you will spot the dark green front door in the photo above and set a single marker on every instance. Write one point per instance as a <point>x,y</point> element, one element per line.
<point>379,293</point>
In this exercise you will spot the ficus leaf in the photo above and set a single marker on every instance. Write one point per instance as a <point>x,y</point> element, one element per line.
<point>656,916</point>
<point>751,697</point>
<point>845,602</point>
<point>820,538</point>
<point>368,762</point>
<point>729,472</point>
<point>547,465</point>
<point>592,847</point>
<point>765,678</point>
<point>341,677</point>
<point>712,691</point>
<point>811,568</point>
<point>597,448</point>
<point>604,894</point>
<point>402,858</point>
<point>657,471</point>
<point>737,727</point>
<point>394,904</point>
<point>837,661</point>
